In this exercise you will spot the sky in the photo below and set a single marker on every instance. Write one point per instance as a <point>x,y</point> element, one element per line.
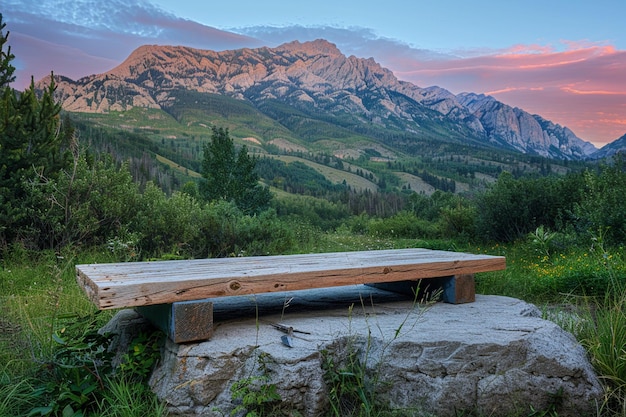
<point>562,59</point>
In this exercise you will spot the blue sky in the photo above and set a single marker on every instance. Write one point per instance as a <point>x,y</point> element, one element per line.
<point>564,60</point>
<point>439,25</point>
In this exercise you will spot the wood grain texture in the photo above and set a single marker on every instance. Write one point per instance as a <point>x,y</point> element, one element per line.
<point>130,284</point>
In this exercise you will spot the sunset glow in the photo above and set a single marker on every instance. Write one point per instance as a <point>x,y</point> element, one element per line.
<point>573,74</point>
<point>572,87</point>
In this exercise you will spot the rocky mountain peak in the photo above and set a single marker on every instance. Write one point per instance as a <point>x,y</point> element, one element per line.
<point>523,131</point>
<point>316,47</point>
<point>316,75</point>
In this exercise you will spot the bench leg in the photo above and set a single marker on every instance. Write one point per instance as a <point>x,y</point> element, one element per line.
<point>459,289</point>
<point>184,321</point>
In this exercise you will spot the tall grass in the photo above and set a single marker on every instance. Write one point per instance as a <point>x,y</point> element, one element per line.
<point>606,341</point>
<point>15,395</point>
<point>584,288</point>
<point>353,367</point>
<point>46,328</point>
<point>607,347</point>
<point>38,294</point>
<point>601,329</point>
<point>128,398</point>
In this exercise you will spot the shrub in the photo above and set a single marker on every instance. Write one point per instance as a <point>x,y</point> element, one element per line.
<point>217,230</point>
<point>512,208</point>
<point>603,208</point>
<point>318,212</point>
<point>264,234</point>
<point>79,377</point>
<point>168,225</point>
<point>71,380</point>
<point>458,222</point>
<point>182,227</point>
<point>403,224</point>
<point>429,207</point>
<point>85,205</point>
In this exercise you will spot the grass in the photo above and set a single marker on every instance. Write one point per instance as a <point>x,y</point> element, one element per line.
<point>129,398</point>
<point>177,167</point>
<point>45,317</point>
<point>583,289</point>
<point>563,275</point>
<point>15,395</point>
<point>37,294</point>
<point>336,176</point>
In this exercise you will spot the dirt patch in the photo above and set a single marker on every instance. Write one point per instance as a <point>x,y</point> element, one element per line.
<point>253,140</point>
<point>284,144</point>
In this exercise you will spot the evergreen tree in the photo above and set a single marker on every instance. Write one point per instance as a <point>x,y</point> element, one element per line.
<point>231,175</point>
<point>30,146</point>
<point>6,69</point>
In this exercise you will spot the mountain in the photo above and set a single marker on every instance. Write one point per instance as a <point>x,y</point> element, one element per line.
<point>315,91</point>
<point>525,132</point>
<point>609,150</point>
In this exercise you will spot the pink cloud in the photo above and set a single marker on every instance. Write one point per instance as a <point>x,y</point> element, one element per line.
<point>594,92</point>
<point>526,49</point>
<point>36,58</point>
<point>598,118</point>
<point>45,39</point>
<point>570,87</point>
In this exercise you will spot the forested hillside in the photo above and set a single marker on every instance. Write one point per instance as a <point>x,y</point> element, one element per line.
<point>111,184</point>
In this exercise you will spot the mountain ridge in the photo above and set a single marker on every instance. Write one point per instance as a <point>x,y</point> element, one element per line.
<point>610,149</point>
<point>317,78</point>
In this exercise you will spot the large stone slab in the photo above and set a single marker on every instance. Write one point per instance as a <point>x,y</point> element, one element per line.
<point>493,356</point>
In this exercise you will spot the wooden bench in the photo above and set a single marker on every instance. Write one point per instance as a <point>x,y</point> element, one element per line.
<point>177,295</point>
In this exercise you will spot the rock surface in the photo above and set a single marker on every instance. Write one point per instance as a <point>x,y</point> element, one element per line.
<point>494,356</point>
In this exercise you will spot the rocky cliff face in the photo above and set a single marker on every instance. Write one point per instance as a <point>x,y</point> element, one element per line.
<point>523,131</point>
<point>316,76</point>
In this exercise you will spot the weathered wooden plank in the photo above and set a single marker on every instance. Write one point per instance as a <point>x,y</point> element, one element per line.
<point>146,283</point>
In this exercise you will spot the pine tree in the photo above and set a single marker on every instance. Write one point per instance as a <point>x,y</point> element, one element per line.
<point>30,145</point>
<point>6,69</point>
<point>230,175</point>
